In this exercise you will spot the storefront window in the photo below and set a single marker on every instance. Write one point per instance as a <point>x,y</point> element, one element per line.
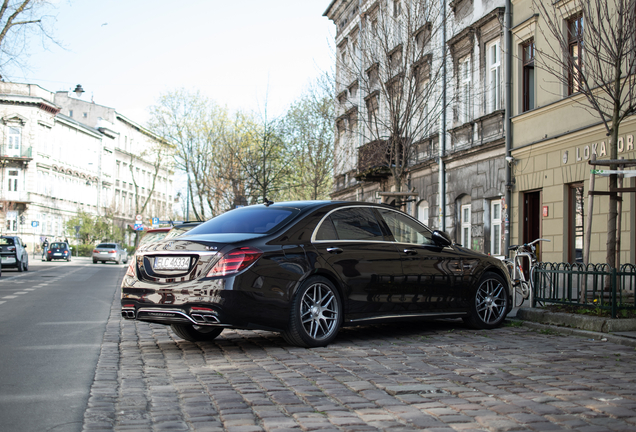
<point>576,223</point>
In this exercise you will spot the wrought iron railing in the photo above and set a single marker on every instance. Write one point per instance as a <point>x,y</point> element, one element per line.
<point>592,285</point>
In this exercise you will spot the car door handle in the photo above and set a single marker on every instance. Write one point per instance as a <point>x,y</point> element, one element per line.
<point>334,250</point>
<point>410,251</point>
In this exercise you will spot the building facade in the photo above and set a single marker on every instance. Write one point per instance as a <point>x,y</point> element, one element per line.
<point>61,154</point>
<point>554,138</point>
<point>456,173</point>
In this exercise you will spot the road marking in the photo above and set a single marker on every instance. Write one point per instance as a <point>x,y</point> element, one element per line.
<point>58,347</point>
<point>2,302</point>
<point>70,322</point>
<point>10,297</point>
<point>21,292</point>
<point>29,289</point>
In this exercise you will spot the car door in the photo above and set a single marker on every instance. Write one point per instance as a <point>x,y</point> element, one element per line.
<point>432,273</point>
<point>352,243</point>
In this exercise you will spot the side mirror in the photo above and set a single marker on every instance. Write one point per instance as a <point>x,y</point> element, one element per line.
<point>25,245</point>
<point>441,238</point>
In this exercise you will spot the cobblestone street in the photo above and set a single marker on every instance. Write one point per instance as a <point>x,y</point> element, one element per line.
<point>408,376</point>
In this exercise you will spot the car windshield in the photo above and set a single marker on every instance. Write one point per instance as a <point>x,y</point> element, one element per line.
<point>6,241</point>
<point>153,237</point>
<point>57,246</point>
<point>106,246</point>
<point>246,220</point>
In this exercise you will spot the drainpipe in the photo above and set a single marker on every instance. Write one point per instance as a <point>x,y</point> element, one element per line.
<point>508,122</point>
<point>442,144</point>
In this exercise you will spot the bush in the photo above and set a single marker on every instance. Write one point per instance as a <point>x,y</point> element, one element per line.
<point>84,250</point>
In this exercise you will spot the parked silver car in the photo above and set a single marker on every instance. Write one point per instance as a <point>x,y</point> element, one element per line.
<point>104,252</point>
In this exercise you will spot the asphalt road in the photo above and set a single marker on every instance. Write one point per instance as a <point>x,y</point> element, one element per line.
<point>52,322</point>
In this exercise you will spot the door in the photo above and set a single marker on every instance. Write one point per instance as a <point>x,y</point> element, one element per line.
<point>432,274</point>
<point>352,243</point>
<point>531,221</point>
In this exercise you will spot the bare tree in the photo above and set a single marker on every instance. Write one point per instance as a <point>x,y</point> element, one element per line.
<point>208,143</point>
<point>263,157</point>
<point>19,20</point>
<point>389,71</point>
<point>308,130</point>
<point>594,55</point>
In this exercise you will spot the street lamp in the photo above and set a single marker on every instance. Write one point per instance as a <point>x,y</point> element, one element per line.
<point>78,90</point>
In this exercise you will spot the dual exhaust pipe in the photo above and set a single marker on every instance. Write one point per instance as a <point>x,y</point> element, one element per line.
<point>196,318</point>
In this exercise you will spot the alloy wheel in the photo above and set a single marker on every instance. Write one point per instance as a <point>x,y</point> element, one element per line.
<point>319,311</point>
<point>490,301</point>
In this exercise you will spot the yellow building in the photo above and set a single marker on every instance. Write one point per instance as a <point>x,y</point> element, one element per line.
<point>553,139</point>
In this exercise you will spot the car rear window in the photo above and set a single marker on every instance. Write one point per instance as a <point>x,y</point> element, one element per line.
<point>247,220</point>
<point>153,237</point>
<point>106,246</point>
<point>57,246</point>
<point>6,241</point>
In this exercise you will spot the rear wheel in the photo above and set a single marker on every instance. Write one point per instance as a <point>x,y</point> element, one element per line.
<point>20,266</point>
<point>316,314</point>
<point>490,303</point>
<point>25,264</point>
<point>94,261</point>
<point>194,333</point>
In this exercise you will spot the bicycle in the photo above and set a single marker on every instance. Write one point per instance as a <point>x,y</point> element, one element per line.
<point>522,288</point>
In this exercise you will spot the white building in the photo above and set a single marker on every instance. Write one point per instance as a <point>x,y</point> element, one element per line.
<point>60,154</point>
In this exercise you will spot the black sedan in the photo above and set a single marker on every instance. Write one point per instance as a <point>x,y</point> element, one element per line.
<point>307,268</point>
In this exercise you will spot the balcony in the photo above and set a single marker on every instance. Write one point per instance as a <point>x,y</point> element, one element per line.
<point>16,196</point>
<point>23,153</point>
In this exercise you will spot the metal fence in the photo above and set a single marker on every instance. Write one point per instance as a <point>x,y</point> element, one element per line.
<point>591,285</point>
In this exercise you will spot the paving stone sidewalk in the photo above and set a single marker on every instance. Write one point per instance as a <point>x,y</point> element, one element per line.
<point>393,377</point>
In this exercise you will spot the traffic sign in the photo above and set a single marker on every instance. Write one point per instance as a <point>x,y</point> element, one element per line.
<point>155,221</point>
<point>34,224</point>
<point>138,217</point>
<point>139,227</point>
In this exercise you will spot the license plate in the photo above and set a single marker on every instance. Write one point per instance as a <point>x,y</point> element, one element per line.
<point>172,263</point>
<point>57,254</point>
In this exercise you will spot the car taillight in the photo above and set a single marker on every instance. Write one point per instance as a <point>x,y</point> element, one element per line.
<point>131,268</point>
<point>95,251</point>
<point>112,251</point>
<point>11,248</point>
<point>235,261</point>
<point>49,251</point>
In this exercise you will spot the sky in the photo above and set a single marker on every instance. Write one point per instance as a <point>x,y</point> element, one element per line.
<point>244,54</point>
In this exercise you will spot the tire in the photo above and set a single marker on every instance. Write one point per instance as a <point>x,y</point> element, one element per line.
<point>94,261</point>
<point>25,264</point>
<point>489,306</point>
<point>20,266</point>
<point>194,333</point>
<point>316,314</point>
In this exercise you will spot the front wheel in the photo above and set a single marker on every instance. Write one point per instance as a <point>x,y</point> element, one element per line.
<point>194,333</point>
<point>490,303</point>
<point>316,314</point>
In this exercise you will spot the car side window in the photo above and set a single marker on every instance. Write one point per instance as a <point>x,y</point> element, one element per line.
<point>358,223</point>
<point>405,229</point>
<point>326,231</point>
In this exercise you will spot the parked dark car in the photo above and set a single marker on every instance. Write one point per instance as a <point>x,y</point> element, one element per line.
<point>307,268</point>
<point>58,251</point>
<point>182,228</point>
<point>14,253</point>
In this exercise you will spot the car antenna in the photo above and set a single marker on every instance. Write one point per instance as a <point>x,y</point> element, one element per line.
<point>268,202</point>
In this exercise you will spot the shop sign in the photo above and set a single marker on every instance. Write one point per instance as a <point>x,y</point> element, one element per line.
<point>624,144</point>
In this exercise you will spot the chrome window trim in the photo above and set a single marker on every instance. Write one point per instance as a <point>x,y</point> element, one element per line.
<point>177,252</point>
<point>313,235</point>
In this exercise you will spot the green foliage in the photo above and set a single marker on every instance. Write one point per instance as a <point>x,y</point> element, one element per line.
<point>84,250</point>
<point>93,229</point>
